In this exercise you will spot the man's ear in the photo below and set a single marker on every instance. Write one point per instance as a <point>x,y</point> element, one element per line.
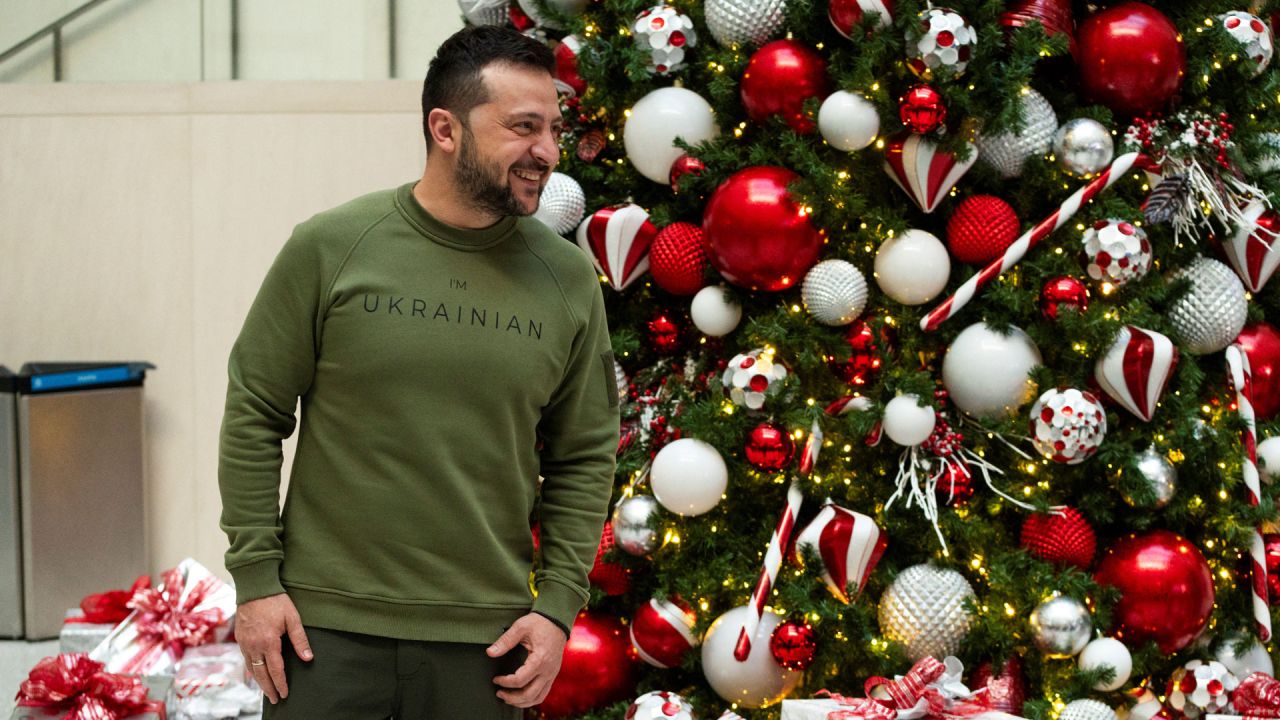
<point>444,128</point>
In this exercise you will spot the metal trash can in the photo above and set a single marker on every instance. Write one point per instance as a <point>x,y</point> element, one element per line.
<point>10,547</point>
<point>81,489</point>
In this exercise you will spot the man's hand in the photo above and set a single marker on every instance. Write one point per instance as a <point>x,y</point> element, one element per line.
<point>531,682</point>
<point>259,626</point>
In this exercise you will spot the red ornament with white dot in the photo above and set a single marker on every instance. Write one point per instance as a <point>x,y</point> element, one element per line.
<point>660,705</point>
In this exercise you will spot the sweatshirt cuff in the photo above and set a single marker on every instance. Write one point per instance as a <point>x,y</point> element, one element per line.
<point>257,580</point>
<point>559,603</point>
<point>558,624</point>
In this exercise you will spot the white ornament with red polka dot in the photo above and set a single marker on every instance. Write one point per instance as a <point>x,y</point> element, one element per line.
<point>1117,251</point>
<point>1068,425</point>
<point>664,33</point>
<point>660,705</point>
<point>752,377</point>
<point>1200,687</point>
<point>1250,31</point>
<point>940,44</point>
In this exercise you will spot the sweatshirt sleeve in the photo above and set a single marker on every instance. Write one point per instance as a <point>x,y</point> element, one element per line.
<point>579,429</point>
<point>272,363</point>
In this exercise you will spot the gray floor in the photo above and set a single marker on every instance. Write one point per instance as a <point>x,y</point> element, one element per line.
<point>16,660</point>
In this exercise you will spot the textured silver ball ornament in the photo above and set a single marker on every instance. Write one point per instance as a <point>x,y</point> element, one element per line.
<point>1160,475</point>
<point>1008,151</point>
<point>738,22</point>
<point>1062,626</point>
<point>633,528</point>
<point>925,610</point>
<point>1087,710</point>
<point>1213,311</point>
<point>1083,146</point>
<point>834,292</point>
<point>562,204</point>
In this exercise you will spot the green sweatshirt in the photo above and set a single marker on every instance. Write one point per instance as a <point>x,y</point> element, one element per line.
<point>441,371</point>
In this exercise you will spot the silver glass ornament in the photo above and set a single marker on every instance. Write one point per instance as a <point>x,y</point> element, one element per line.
<point>1087,710</point>
<point>1008,151</point>
<point>925,610</point>
<point>1062,626</point>
<point>1083,146</point>
<point>834,292</point>
<point>562,204</point>
<point>738,22</point>
<point>1160,474</point>
<point>634,529</point>
<point>620,377</point>
<point>1213,311</point>
<point>485,12</point>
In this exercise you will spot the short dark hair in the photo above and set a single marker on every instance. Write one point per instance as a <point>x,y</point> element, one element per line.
<point>453,78</point>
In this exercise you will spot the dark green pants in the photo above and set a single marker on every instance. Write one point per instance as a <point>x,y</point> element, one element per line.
<point>362,677</point>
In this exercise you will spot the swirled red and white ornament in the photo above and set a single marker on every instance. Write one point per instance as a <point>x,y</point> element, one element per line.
<point>849,545</point>
<point>1136,369</point>
<point>924,172</point>
<point>1254,250</point>
<point>617,239</point>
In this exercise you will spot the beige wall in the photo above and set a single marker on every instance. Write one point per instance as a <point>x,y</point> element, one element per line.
<point>136,222</point>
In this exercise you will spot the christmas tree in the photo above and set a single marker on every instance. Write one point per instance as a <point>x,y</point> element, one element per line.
<point>939,331</point>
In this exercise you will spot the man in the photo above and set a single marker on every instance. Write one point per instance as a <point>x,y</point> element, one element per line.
<point>447,349</point>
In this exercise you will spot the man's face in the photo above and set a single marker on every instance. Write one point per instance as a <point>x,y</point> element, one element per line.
<point>509,144</point>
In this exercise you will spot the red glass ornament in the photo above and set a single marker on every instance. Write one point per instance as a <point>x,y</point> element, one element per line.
<point>779,77</point>
<point>598,667</point>
<point>955,487</point>
<point>845,14</point>
<point>666,335</point>
<point>981,229</point>
<point>758,237</point>
<point>769,446</point>
<point>661,632</point>
<point>1063,293</point>
<point>1271,543</point>
<point>1261,343</point>
<point>1054,15</point>
<point>519,19</point>
<point>793,644</point>
<point>1166,589</point>
<point>1063,536</point>
<point>1131,58</point>
<point>567,66</point>
<point>1007,690</point>
<point>862,365</point>
<point>921,109</point>
<point>685,165</point>
<point>613,578</point>
<point>678,258</point>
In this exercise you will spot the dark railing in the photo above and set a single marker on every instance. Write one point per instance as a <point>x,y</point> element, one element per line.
<point>54,30</point>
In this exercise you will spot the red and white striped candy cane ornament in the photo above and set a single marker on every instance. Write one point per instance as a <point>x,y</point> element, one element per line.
<point>1029,239</point>
<point>777,543</point>
<point>1242,382</point>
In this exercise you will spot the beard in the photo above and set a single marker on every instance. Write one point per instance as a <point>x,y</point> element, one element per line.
<point>484,183</point>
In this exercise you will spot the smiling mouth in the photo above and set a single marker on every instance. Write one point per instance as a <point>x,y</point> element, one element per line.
<point>531,175</point>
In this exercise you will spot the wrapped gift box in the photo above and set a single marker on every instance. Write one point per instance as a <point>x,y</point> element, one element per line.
<point>80,636</point>
<point>212,684</point>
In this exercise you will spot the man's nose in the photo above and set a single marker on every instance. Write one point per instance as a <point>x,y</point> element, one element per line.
<point>547,149</point>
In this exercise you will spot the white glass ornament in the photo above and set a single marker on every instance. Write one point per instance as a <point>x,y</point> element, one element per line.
<point>1107,652</point>
<point>925,610</point>
<point>1068,425</point>
<point>688,476</point>
<point>759,681</point>
<point>912,268</point>
<point>656,120</point>
<point>1269,459</point>
<point>848,121</point>
<point>1007,152</point>
<point>1061,626</point>
<point>564,7</point>
<point>1242,665</point>
<point>660,705</point>
<point>712,314</point>
<point>738,22</point>
<point>906,422</point>
<point>986,372</point>
<point>1083,146</point>
<point>1087,710</point>
<point>562,204</point>
<point>1253,35</point>
<point>1212,313</point>
<point>633,528</point>
<point>834,292</point>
